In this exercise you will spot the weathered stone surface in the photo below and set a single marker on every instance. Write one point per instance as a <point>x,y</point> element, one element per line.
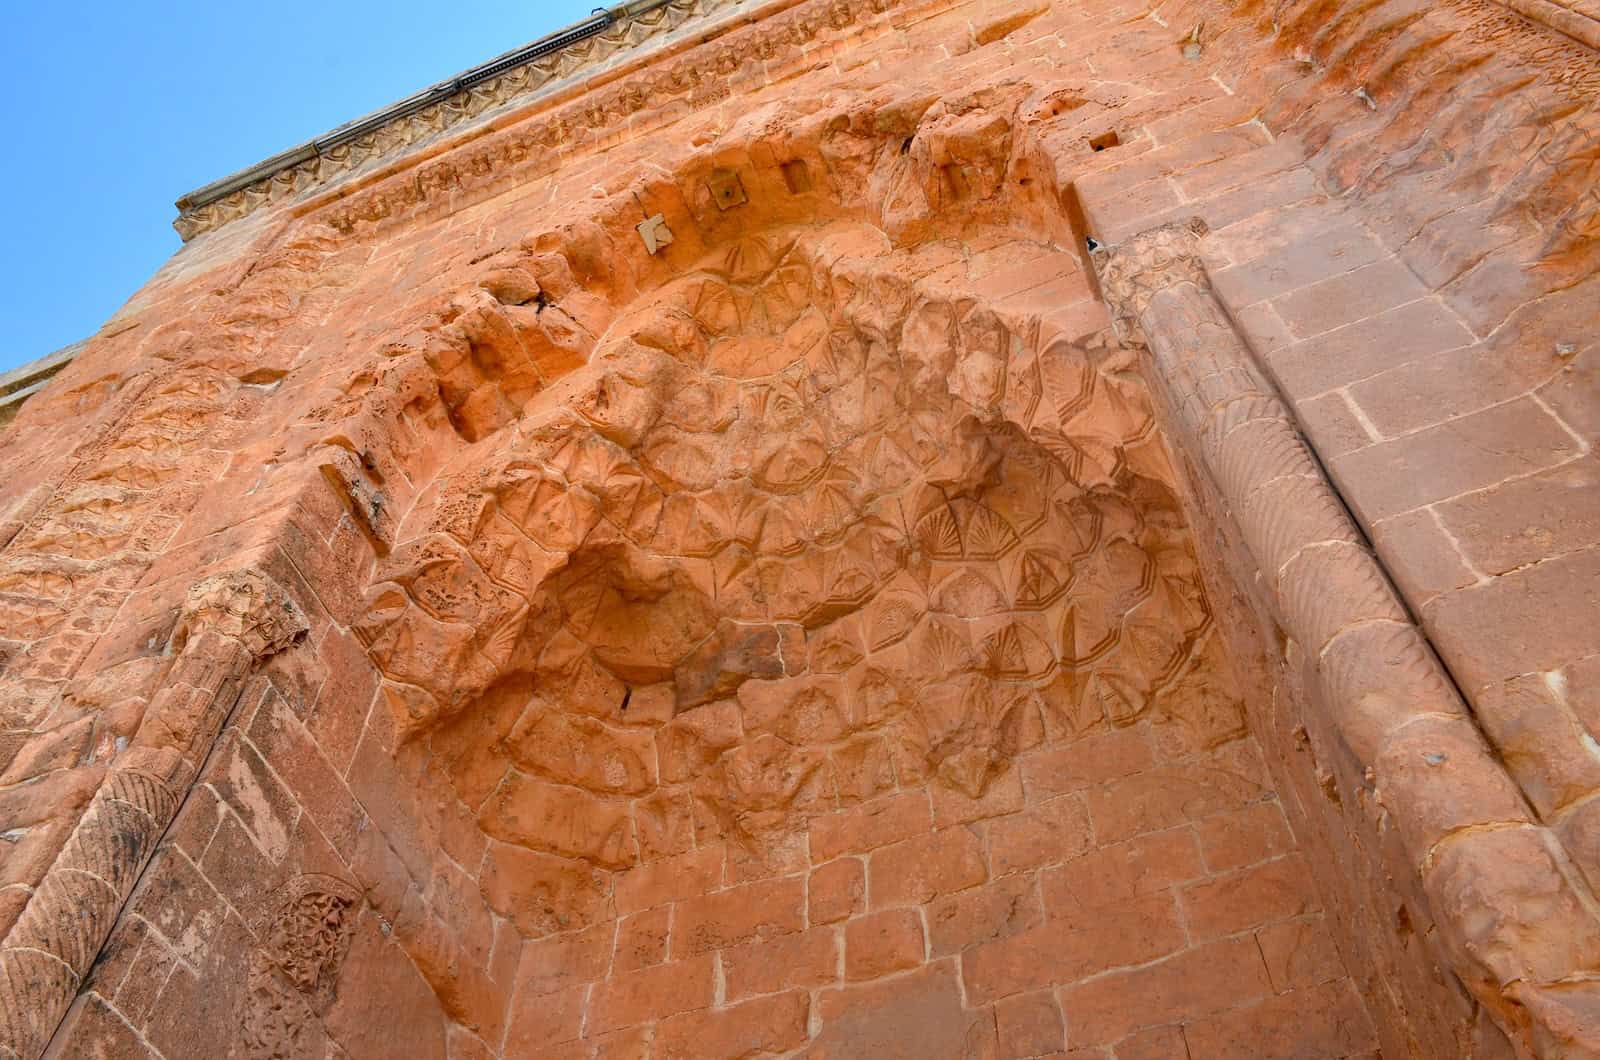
<point>701,564</point>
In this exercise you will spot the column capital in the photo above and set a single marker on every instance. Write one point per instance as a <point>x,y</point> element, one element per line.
<point>246,606</point>
<point>1133,271</point>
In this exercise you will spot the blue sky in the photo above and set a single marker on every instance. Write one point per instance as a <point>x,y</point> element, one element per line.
<point>113,110</point>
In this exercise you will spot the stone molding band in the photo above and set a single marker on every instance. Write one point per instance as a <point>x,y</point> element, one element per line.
<point>229,623</point>
<point>294,173</point>
<point>297,175</point>
<point>1390,700</point>
<point>1564,18</point>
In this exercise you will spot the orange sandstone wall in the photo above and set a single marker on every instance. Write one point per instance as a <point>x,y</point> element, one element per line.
<point>829,634</point>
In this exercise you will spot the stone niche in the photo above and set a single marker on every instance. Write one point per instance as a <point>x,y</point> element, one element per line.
<point>802,649</point>
<point>807,652</point>
<point>730,573</point>
<point>836,620</point>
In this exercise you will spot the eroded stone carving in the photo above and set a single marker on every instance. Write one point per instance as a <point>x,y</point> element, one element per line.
<point>1133,272</point>
<point>229,622</point>
<point>245,606</point>
<point>682,564</point>
<point>750,508</point>
<point>302,939</point>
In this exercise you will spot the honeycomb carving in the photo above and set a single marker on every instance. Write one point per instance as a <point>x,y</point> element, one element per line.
<point>802,531</point>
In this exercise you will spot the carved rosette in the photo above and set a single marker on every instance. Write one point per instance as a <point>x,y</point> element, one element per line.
<point>55,940</point>
<point>1132,272</point>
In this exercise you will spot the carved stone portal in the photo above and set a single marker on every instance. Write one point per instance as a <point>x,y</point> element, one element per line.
<point>674,550</point>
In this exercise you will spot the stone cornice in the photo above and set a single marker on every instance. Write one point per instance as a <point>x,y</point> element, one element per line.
<point>743,45</point>
<point>378,142</point>
<point>314,166</point>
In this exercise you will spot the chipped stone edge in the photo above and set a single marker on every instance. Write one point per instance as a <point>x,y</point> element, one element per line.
<point>26,380</point>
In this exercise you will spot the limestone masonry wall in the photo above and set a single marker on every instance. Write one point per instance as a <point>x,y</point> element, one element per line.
<point>855,528</point>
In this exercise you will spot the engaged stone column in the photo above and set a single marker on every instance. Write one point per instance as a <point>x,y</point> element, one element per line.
<point>229,623</point>
<point>1514,916</point>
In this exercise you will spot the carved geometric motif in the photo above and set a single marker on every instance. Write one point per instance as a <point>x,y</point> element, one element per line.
<point>301,942</point>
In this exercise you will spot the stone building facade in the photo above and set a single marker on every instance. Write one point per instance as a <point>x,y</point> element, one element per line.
<point>841,528</point>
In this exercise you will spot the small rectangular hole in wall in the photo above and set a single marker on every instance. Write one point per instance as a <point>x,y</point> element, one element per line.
<point>1104,141</point>
<point>796,176</point>
<point>727,190</point>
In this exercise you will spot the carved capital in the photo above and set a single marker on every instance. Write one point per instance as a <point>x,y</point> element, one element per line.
<point>247,606</point>
<point>1132,272</point>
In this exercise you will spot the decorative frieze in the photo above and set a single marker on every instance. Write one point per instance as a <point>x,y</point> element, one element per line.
<point>699,78</point>
<point>515,85</point>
